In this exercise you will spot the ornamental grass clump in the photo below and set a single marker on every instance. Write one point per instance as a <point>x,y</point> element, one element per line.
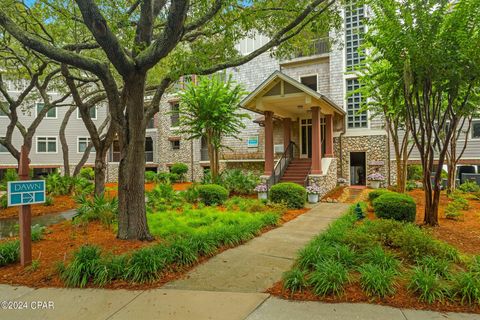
<point>427,284</point>
<point>9,252</point>
<point>376,280</point>
<point>329,278</point>
<point>295,280</point>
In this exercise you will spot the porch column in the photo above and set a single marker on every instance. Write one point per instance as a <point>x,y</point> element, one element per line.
<point>268,143</point>
<point>329,136</point>
<point>316,142</point>
<point>287,129</point>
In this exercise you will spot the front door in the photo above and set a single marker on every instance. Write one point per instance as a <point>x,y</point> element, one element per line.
<point>358,169</point>
<point>306,138</point>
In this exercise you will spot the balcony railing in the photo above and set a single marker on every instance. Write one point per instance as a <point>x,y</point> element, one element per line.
<point>317,47</point>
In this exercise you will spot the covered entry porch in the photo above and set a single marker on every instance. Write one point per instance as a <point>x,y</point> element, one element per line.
<point>299,123</point>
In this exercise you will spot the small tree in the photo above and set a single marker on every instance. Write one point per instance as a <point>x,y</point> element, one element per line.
<point>210,109</point>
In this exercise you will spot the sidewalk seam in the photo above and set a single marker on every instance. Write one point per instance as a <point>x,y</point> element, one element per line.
<point>257,307</point>
<point>126,304</point>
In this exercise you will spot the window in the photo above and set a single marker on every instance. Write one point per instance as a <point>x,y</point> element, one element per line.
<point>148,149</point>
<point>355,118</point>
<point>46,144</point>
<point>2,147</point>
<point>82,144</point>
<point>151,123</point>
<point>175,144</point>
<point>354,31</point>
<point>92,111</point>
<point>476,130</point>
<point>310,81</point>
<point>115,151</point>
<point>51,114</point>
<point>252,142</point>
<point>174,115</point>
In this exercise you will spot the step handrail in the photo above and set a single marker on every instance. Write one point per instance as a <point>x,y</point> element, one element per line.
<point>282,164</point>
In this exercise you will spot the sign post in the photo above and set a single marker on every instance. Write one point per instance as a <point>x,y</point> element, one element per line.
<point>25,214</point>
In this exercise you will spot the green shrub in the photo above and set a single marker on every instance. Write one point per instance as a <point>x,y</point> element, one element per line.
<point>426,283</point>
<point>98,208</point>
<point>37,232</point>
<point>452,211</point>
<point>398,207</point>
<point>212,194</point>
<point>359,240</point>
<point>3,201</point>
<point>294,280</point>
<point>48,201</point>
<point>83,266</point>
<point>329,277</point>
<point>376,280</point>
<point>414,172</point>
<point>9,252</point>
<point>150,176</point>
<point>109,268</point>
<point>82,186</point>
<point>87,173</point>
<point>10,175</point>
<point>292,194</point>
<point>163,197</point>
<point>467,287</point>
<point>239,182</point>
<point>469,186</point>
<point>191,194</point>
<point>183,251</point>
<point>377,193</point>
<point>58,185</point>
<point>179,169</point>
<point>438,266</point>
<point>383,260</point>
<point>251,205</point>
<point>410,185</point>
<point>144,265</point>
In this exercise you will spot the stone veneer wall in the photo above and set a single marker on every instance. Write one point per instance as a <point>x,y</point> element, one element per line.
<point>374,146</point>
<point>112,172</point>
<point>326,181</point>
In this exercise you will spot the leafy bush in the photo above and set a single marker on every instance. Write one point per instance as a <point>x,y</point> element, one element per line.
<point>377,193</point>
<point>144,265</point>
<point>109,268</point>
<point>163,197</point>
<point>82,186</point>
<point>469,186</point>
<point>9,252</point>
<point>410,185</point>
<point>394,206</point>
<point>251,205</point>
<point>467,287</point>
<point>438,266</point>
<point>83,266</point>
<point>376,280</point>
<point>3,201</point>
<point>48,201</point>
<point>191,194</point>
<point>58,185</point>
<point>99,208</point>
<point>294,280</point>
<point>212,194</point>
<point>239,182</point>
<point>150,176</point>
<point>381,259</point>
<point>414,172</point>
<point>179,169</point>
<point>329,277</point>
<point>426,283</point>
<point>87,173</point>
<point>292,194</point>
<point>37,232</point>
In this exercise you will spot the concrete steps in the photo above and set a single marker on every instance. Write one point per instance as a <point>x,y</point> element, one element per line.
<point>297,171</point>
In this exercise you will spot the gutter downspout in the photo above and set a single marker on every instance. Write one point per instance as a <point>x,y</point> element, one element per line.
<point>340,138</point>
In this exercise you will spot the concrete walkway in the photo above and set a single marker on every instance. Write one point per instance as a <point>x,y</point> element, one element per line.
<point>257,265</point>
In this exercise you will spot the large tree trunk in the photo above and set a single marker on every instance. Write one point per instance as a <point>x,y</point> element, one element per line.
<point>100,172</point>
<point>132,220</point>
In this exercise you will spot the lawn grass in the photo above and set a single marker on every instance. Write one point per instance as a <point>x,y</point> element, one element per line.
<point>380,255</point>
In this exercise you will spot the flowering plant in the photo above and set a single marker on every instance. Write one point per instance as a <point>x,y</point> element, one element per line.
<point>314,189</point>
<point>262,187</point>
<point>376,177</point>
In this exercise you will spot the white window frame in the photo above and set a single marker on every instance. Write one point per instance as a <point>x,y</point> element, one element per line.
<point>306,76</point>
<point>88,141</point>
<point>471,134</point>
<point>46,115</point>
<point>2,146</point>
<point>46,152</point>
<point>253,137</point>
<point>79,117</point>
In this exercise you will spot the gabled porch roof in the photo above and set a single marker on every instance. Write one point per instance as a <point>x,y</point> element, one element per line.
<point>288,98</point>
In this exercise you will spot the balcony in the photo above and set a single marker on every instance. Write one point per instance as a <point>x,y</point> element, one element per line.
<point>314,49</point>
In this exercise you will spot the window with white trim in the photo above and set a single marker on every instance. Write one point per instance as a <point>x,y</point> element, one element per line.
<point>310,81</point>
<point>92,111</point>
<point>354,34</point>
<point>82,144</point>
<point>51,114</point>
<point>355,118</point>
<point>476,129</point>
<point>46,144</point>
<point>252,142</point>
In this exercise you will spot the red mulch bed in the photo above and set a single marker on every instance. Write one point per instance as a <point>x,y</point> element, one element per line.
<point>60,204</point>
<point>62,239</point>
<point>335,193</point>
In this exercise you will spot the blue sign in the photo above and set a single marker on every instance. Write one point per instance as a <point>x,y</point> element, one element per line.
<point>25,192</point>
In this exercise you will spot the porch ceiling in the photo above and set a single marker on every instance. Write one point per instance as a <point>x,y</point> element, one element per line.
<point>287,98</point>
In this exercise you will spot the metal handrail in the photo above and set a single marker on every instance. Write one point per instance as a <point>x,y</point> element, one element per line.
<point>282,165</point>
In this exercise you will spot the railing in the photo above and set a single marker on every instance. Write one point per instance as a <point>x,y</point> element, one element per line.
<point>282,164</point>
<point>317,47</point>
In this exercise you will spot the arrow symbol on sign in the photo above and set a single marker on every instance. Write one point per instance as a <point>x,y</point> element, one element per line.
<point>28,197</point>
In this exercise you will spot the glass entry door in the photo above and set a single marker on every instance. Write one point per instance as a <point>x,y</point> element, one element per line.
<point>306,138</point>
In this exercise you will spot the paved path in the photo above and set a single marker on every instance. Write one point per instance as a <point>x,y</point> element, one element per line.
<point>257,265</point>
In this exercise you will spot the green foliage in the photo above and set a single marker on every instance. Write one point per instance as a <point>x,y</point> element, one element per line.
<point>48,201</point>
<point>110,268</point>
<point>377,193</point>
<point>467,287</point>
<point>87,173</point>
<point>10,175</point>
<point>469,186</point>
<point>4,201</point>
<point>414,172</point>
<point>438,266</point>
<point>377,280</point>
<point>150,176</point>
<point>179,169</point>
<point>292,194</point>
<point>212,194</point>
<point>144,265</point>
<point>427,284</point>
<point>9,252</point>
<point>83,266</point>
<point>163,197</point>
<point>98,208</point>
<point>191,195</point>
<point>239,182</point>
<point>34,266</point>
<point>329,278</point>
<point>58,185</point>
<point>82,186</point>
<point>251,205</point>
<point>410,185</point>
<point>394,206</point>
<point>37,232</point>
<point>381,259</point>
<point>294,280</point>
